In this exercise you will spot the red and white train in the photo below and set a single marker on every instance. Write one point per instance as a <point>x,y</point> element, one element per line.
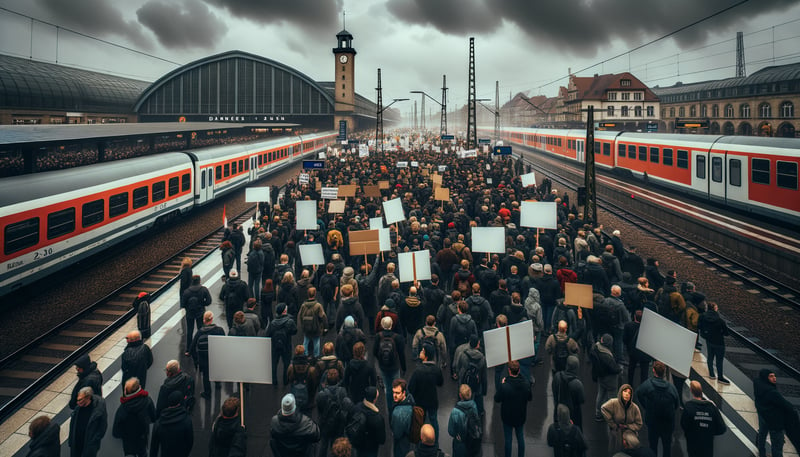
<point>755,174</point>
<point>53,219</point>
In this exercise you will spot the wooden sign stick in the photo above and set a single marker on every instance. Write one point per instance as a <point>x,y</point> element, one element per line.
<point>508,342</point>
<point>537,237</point>
<point>241,400</point>
<point>414,267</point>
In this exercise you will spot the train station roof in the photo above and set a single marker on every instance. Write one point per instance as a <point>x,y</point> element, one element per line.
<point>768,75</point>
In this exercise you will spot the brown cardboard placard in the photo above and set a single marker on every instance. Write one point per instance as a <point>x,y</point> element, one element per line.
<point>372,191</point>
<point>318,185</point>
<point>578,295</point>
<point>336,206</point>
<point>437,180</point>
<point>441,193</point>
<point>382,185</point>
<point>348,190</point>
<point>364,242</point>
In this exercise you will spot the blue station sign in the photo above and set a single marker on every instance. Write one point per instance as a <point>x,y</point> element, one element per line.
<point>313,164</point>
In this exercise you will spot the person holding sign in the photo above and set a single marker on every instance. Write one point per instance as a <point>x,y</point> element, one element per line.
<point>227,434</point>
<point>513,394</point>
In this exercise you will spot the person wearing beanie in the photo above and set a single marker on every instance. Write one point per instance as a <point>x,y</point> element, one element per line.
<point>88,376</point>
<point>605,372</point>
<point>228,437</point>
<point>291,431</point>
<point>280,330</point>
<point>133,418</point>
<point>348,336</point>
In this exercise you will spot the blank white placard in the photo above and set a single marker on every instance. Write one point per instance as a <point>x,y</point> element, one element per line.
<point>664,340</point>
<point>408,260</point>
<point>306,215</point>
<point>311,254</point>
<point>376,223</point>
<point>496,343</point>
<point>489,239</point>
<point>528,179</point>
<point>393,211</point>
<point>496,346</point>
<point>521,340</point>
<point>539,214</point>
<point>227,365</point>
<point>385,238</point>
<point>257,194</point>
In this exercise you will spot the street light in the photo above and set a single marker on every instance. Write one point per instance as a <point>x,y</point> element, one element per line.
<point>379,129</point>
<point>442,104</point>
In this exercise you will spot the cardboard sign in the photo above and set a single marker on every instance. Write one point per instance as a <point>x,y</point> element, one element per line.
<point>330,193</point>
<point>393,211</point>
<point>437,180</point>
<point>441,193</point>
<point>539,214</point>
<point>664,340</point>
<point>578,295</point>
<point>225,359</point>
<point>304,178</point>
<point>336,206</point>
<point>348,190</point>
<point>415,264</point>
<point>257,194</point>
<point>318,185</point>
<point>311,254</point>
<point>489,239</point>
<point>504,344</point>
<point>306,215</point>
<point>383,185</point>
<point>364,242</point>
<point>372,191</point>
<point>528,179</point>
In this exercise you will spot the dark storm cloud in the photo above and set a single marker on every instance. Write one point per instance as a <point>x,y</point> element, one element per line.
<point>308,14</point>
<point>93,17</point>
<point>183,25</point>
<point>583,27</point>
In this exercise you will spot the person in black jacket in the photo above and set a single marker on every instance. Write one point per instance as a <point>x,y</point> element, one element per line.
<point>194,301</point>
<point>774,412</point>
<point>45,441</point>
<point>136,358</point>
<point>234,294</point>
<point>172,433</point>
<point>375,424</point>
<point>281,330</point>
<point>334,406</point>
<point>133,418</point>
<point>237,240</point>
<point>185,274</point>
<point>228,438</point>
<point>568,390</point>
<point>88,376</point>
<point>292,433</point>
<point>513,394</point>
<point>88,424</point>
<point>423,383</point>
<point>359,373</point>
<point>199,349</point>
<point>176,381</point>
<point>714,330</point>
<point>389,351</point>
<point>701,422</point>
<point>255,266</point>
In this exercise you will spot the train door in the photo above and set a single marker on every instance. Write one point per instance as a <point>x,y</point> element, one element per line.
<point>579,151</point>
<point>206,184</point>
<point>253,168</point>
<point>717,175</point>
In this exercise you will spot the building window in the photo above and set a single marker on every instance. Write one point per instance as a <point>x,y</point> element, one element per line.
<point>612,95</point>
<point>637,111</point>
<point>626,95</point>
<point>342,77</point>
<point>672,111</point>
<point>765,110</point>
<point>729,110</point>
<point>610,111</point>
<point>787,109</point>
<point>625,83</point>
<point>342,86</point>
<point>637,96</point>
<point>651,111</point>
<point>693,111</point>
<point>682,111</point>
<point>624,111</point>
<point>703,111</point>
<point>715,111</point>
<point>744,111</point>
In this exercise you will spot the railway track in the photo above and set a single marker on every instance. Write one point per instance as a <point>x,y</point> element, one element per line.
<point>31,368</point>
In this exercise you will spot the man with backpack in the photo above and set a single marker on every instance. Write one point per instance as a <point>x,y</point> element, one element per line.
<point>617,319</point>
<point>461,328</point>
<point>659,400</point>
<point>255,266</point>
<point>199,349</point>
<point>280,330</point>
<point>234,294</point>
<point>194,301</point>
<point>568,391</point>
<point>366,427</point>
<point>176,381</point>
<point>430,334</point>
<point>471,369</point>
<point>560,346</point>
<point>465,425</point>
<point>405,419</point>
<point>605,372</point>
<point>334,407</point>
<point>348,336</point>
<point>564,436</point>
<point>389,351</point>
<point>311,320</point>
<point>302,380</point>
<point>479,309</point>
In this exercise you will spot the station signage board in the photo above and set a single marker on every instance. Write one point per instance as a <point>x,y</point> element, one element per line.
<point>313,164</point>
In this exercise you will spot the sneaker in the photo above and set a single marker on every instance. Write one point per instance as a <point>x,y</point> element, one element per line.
<point>723,380</point>
<point>712,377</point>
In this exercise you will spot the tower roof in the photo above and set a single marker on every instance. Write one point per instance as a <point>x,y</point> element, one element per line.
<point>344,34</point>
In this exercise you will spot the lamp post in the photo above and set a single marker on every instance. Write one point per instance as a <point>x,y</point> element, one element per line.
<point>379,130</point>
<point>442,105</point>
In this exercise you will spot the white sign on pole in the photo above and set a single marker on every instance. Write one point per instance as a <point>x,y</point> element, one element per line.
<point>467,154</point>
<point>655,331</point>
<point>414,163</point>
<point>528,179</point>
<point>518,338</point>
<point>488,180</point>
<point>402,164</point>
<point>321,155</point>
<point>489,239</point>
<point>330,193</point>
<point>225,359</point>
<point>363,150</point>
<point>539,214</point>
<point>409,262</point>
<point>375,223</point>
<point>306,215</point>
<point>257,194</point>
<point>311,254</point>
<point>442,168</point>
<point>393,211</point>
<point>304,178</point>
<point>385,238</point>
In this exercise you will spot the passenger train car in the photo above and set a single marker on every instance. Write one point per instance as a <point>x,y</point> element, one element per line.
<point>755,174</point>
<point>53,219</point>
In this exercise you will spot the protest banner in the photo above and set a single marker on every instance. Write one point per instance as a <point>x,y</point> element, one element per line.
<point>414,266</point>
<point>664,340</point>
<point>512,342</point>
<point>311,254</point>
<point>393,211</point>
<point>528,179</point>
<point>336,206</point>
<point>257,194</point>
<point>542,215</point>
<point>330,193</point>
<point>489,240</point>
<point>363,242</point>
<point>306,215</point>
<point>578,295</point>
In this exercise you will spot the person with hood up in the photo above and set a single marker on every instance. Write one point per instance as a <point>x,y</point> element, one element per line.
<point>348,277</point>
<point>568,391</point>
<point>173,435</point>
<point>659,399</point>
<point>350,306</point>
<point>176,381</point>
<point>228,437</point>
<point>88,424</point>
<point>44,435</point>
<point>133,418</point>
<point>631,447</point>
<point>621,414</point>
<point>458,424</point>
<point>774,413</point>
<point>292,432</point>
<point>88,376</point>
<point>564,436</point>
<point>533,309</point>
<point>605,372</point>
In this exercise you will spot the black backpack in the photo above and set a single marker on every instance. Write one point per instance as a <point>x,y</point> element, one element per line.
<point>472,375</point>
<point>661,405</point>
<point>300,391</point>
<point>279,338</point>
<point>474,428</point>
<point>603,315</point>
<point>193,305</point>
<point>356,428</point>
<point>460,331</point>
<point>335,414</point>
<point>560,354</point>
<point>431,341</point>
<point>476,311</point>
<point>386,350</point>
<point>565,443</point>
<point>327,286</point>
<point>564,394</point>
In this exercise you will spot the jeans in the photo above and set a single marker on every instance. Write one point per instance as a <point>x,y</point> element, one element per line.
<point>276,358</point>
<point>387,376</point>
<point>314,340</point>
<point>776,437</point>
<point>519,430</point>
<point>658,431</point>
<point>190,323</point>
<point>431,417</point>
<point>254,283</point>
<point>715,353</point>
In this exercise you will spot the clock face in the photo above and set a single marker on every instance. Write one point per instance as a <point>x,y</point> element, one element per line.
<point>343,59</point>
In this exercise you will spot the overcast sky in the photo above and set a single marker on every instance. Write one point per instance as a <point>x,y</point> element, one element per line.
<point>527,45</point>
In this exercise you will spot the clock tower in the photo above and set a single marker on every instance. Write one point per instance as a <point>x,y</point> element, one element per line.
<point>344,82</point>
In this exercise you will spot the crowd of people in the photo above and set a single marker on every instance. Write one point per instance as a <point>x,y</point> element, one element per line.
<point>350,332</point>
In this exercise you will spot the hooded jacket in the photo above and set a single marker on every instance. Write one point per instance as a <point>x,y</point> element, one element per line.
<point>621,415</point>
<point>350,306</point>
<point>565,383</point>
<point>562,433</point>
<point>172,433</point>
<point>770,404</point>
<point>228,438</point>
<point>89,377</point>
<point>712,328</point>
<point>604,366</point>
<point>47,443</point>
<point>132,421</point>
<point>293,435</point>
<point>357,376</point>
<point>533,309</point>
<point>647,394</point>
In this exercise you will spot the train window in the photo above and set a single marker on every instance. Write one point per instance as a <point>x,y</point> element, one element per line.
<point>667,156</point>
<point>700,166</point>
<point>606,149</point>
<point>174,186</point>
<point>735,172</point>
<point>60,223</point>
<point>227,170</point>
<point>597,147</point>
<point>159,191</point>
<point>683,159</point>
<point>787,175</point>
<point>246,164</point>
<point>654,153</point>
<point>233,167</point>
<point>621,150</point>
<point>260,160</point>
<point>631,151</point>
<point>559,142</point>
<point>203,179</point>
<point>760,171</point>
<point>186,182</point>
<point>140,197</point>
<point>211,177</point>
<point>93,213</point>
<point>242,165</point>
<point>21,235</point>
<point>642,152</point>
<point>117,205</point>
<point>716,169</point>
